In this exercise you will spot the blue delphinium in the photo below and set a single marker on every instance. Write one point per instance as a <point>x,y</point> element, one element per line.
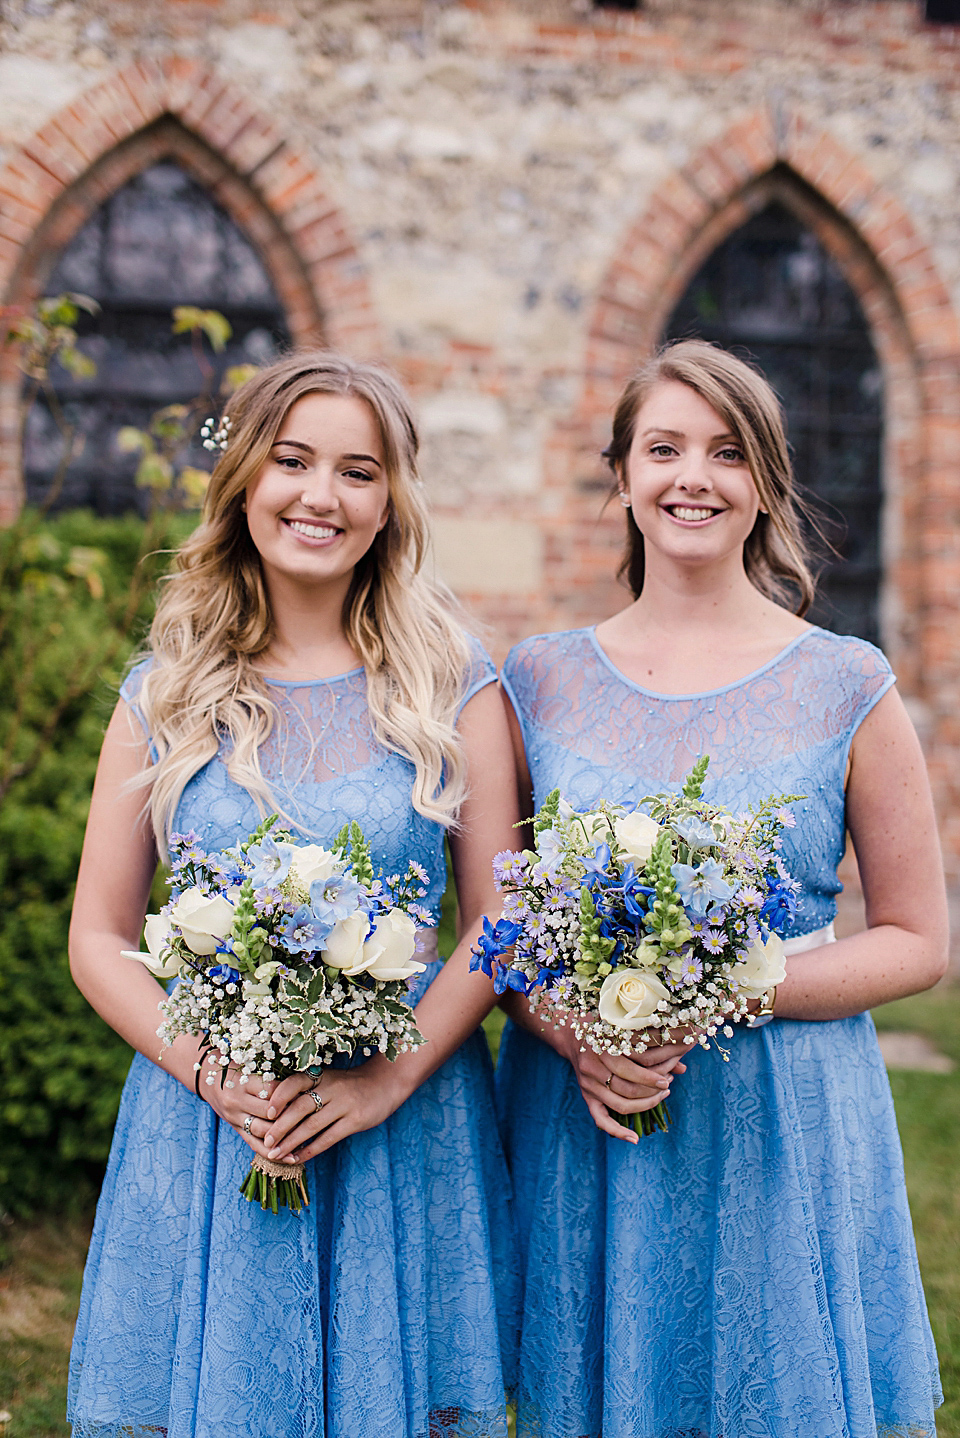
<point>780,905</point>
<point>305,931</point>
<point>271,862</point>
<point>701,885</point>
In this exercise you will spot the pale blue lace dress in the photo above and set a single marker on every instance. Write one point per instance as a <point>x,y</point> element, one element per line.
<point>374,1313</point>
<point>752,1272</point>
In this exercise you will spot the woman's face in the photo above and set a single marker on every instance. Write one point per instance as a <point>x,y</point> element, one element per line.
<point>691,491</point>
<point>322,497</point>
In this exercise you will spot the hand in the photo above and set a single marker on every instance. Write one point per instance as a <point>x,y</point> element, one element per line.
<point>241,1106</point>
<point>625,1085</point>
<point>308,1115</point>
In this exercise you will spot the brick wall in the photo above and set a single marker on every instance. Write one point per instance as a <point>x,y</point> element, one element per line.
<point>505,198</point>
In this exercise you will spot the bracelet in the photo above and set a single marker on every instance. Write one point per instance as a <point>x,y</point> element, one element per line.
<point>764,1013</point>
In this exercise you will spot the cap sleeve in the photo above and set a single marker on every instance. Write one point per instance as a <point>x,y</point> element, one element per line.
<point>864,675</point>
<point>130,691</point>
<point>481,671</point>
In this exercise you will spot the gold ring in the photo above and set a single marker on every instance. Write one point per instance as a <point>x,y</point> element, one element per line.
<point>609,1081</point>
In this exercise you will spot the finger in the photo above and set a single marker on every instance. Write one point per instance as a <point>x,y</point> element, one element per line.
<point>338,1130</point>
<point>298,1123</point>
<point>608,1124</point>
<point>257,1087</point>
<point>288,1090</point>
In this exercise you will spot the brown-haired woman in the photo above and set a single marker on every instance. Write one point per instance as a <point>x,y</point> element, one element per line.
<point>299,660</point>
<point>750,1273</point>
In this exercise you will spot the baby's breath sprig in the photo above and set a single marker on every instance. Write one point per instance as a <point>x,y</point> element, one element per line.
<point>216,436</point>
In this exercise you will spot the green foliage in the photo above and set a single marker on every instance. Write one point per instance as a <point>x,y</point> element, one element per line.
<point>73,603</point>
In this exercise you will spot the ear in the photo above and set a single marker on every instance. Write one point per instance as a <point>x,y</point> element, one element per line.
<point>385,517</point>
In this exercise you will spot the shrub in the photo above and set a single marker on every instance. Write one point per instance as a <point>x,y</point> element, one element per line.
<point>76,596</point>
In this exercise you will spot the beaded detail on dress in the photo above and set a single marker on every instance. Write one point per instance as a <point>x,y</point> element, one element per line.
<point>785,728</point>
<point>751,1273</point>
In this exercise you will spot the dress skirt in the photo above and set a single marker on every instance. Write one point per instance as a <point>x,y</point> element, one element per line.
<point>751,1273</point>
<point>371,1314</point>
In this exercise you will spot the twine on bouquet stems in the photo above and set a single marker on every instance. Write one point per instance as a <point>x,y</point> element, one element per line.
<point>276,1185</point>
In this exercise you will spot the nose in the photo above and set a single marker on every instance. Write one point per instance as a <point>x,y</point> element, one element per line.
<point>319,489</point>
<point>694,476</point>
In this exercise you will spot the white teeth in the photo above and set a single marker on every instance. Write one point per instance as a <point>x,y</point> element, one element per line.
<point>312,531</point>
<point>691,516</point>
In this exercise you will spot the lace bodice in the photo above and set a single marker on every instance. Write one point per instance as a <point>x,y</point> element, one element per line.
<point>786,728</point>
<point>324,767</point>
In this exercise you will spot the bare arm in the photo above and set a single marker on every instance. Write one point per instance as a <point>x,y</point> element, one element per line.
<point>116,870</point>
<point>457,1000</point>
<point>891,821</point>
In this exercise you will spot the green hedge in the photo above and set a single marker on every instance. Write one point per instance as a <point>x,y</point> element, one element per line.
<point>61,1067</point>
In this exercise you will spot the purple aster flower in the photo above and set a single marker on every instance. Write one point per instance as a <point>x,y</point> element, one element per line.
<point>509,867</point>
<point>786,818</point>
<point>715,942</point>
<point>691,970</point>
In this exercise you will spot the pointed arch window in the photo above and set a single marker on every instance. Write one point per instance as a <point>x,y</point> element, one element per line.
<point>773,293</point>
<point>159,241</point>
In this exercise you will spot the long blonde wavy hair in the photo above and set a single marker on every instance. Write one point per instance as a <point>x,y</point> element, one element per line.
<point>776,556</point>
<point>213,619</point>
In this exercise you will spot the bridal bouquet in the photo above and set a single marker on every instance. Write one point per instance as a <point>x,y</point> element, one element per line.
<point>643,928</point>
<point>287,955</point>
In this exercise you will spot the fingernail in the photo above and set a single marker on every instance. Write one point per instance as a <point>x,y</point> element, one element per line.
<point>269,1138</point>
<point>274,1153</point>
<point>271,1112</point>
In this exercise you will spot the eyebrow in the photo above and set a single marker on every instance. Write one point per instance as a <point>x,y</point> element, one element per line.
<point>308,449</point>
<point>680,434</point>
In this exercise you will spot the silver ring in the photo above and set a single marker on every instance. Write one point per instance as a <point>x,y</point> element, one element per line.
<point>248,1123</point>
<point>317,1099</point>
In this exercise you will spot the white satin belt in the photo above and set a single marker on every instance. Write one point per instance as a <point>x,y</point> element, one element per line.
<point>802,942</point>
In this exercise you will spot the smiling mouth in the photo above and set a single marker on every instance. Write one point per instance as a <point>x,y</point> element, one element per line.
<point>690,515</point>
<point>312,531</point>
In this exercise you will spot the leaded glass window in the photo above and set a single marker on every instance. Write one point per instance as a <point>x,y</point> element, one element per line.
<point>159,241</point>
<point>772,293</point>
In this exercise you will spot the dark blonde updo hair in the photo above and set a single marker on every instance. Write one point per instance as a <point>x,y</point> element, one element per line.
<point>776,556</point>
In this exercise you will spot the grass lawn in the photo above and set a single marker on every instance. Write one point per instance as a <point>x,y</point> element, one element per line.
<point>40,1280</point>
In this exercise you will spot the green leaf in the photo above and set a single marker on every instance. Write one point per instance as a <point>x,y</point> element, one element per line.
<point>216,327</point>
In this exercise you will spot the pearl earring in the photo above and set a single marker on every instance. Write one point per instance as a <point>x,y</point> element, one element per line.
<point>624,499</point>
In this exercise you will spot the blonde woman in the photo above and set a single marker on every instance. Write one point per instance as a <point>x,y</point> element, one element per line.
<point>750,1273</point>
<point>299,660</point>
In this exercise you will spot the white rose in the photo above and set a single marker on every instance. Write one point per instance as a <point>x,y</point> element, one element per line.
<point>202,919</point>
<point>629,998</point>
<point>761,967</point>
<point>344,948</point>
<point>388,953</point>
<point>636,834</point>
<point>156,933</point>
<point>311,862</point>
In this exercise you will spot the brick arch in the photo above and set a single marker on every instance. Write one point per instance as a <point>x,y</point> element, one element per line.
<point>178,108</point>
<point>915,328</point>
<point>266,181</point>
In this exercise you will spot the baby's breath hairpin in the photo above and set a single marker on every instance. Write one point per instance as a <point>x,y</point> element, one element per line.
<point>215,437</point>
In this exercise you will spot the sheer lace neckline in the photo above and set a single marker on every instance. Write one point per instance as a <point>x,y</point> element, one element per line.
<point>303,683</point>
<point>700,693</point>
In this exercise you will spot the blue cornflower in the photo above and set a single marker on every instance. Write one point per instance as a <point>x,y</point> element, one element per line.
<point>780,905</point>
<point>271,862</point>
<point>494,941</point>
<point>702,885</point>
<point>223,974</point>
